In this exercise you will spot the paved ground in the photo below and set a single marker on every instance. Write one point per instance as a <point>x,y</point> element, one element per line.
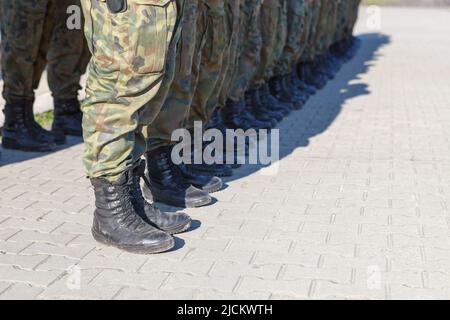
<point>359,209</point>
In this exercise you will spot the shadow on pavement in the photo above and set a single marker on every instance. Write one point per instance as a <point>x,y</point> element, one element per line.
<point>313,120</point>
<point>13,156</point>
<point>308,123</point>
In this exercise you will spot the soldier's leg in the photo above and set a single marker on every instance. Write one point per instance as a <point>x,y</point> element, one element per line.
<point>207,69</point>
<point>264,104</point>
<point>302,64</point>
<point>23,26</point>
<point>66,56</point>
<point>216,41</point>
<point>129,53</point>
<point>293,24</point>
<point>236,112</point>
<point>235,17</point>
<point>211,102</point>
<point>166,182</point>
<point>177,104</point>
<point>280,70</point>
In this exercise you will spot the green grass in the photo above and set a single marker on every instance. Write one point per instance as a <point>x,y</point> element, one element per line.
<point>44,119</point>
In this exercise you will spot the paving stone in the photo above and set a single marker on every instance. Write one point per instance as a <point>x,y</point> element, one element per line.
<point>359,207</point>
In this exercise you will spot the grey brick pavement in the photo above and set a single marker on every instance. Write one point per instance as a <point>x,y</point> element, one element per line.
<point>359,209</point>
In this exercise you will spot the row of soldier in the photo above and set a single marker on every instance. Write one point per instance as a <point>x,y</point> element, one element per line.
<point>161,65</point>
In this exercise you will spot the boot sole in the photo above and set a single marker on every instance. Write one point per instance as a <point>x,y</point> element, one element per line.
<point>213,189</point>
<point>12,145</point>
<point>192,204</point>
<point>179,229</point>
<point>132,249</point>
<point>213,174</point>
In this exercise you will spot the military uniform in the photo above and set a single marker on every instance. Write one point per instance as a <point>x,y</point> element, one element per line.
<point>144,84</point>
<point>270,15</point>
<point>133,45</point>
<point>295,25</point>
<point>129,57</point>
<point>231,57</point>
<point>176,106</point>
<point>216,36</point>
<point>35,36</point>
<point>249,51</point>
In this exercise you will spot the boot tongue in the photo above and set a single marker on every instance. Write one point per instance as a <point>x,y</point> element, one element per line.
<point>128,176</point>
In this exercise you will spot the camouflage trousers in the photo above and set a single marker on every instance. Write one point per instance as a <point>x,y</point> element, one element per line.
<point>295,26</point>
<point>219,96</point>
<point>176,107</point>
<point>35,36</point>
<point>231,58</point>
<point>313,17</point>
<point>281,38</point>
<point>270,15</point>
<point>326,24</point>
<point>304,34</point>
<point>127,76</point>
<point>199,66</point>
<point>213,33</point>
<point>249,49</point>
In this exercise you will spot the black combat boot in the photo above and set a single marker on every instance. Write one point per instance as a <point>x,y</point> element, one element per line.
<point>303,85</point>
<point>170,222</point>
<point>209,184</point>
<point>231,115</point>
<point>19,135</point>
<point>278,89</point>
<point>325,67</point>
<point>118,218</point>
<point>312,76</point>
<point>254,123</point>
<point>216,122</point>
<point>272,103</point>
<point>297,85</point>
<point>333,62</point>
<point>41,133</point>
<point>211,170</point>
<point>259,111</point>
<point>298,100</point>
<point>68,118</point>
<point>165,182</point>
<point>236,116</point>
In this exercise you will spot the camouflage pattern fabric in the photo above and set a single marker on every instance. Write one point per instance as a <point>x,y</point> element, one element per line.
<point>281,38</point>
<point>307,30</point>
<point>149,78</point>
<point>213,26</point>
<point>129,56</point>
<point>217,98</point>
<point>175,109</point>
<point>231,59</point>
<point>295,26</point>
<point>270,15</point>
<point>249,50</point>
<point>35,37</point>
